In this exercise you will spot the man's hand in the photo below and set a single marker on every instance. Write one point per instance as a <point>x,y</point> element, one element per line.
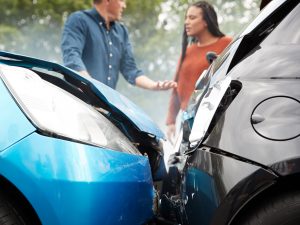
<point>145,82</point>
<point>84,74</point>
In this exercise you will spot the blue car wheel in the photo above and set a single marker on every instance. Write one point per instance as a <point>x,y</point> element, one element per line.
<point>8,213</point>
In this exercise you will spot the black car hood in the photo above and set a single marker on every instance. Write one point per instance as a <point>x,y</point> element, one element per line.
<point>271,62</point>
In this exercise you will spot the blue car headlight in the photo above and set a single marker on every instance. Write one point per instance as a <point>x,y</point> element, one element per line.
<point>56,112</point>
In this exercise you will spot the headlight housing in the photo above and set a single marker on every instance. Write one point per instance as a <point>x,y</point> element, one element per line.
<point>56,112</point>
<point>207,108</point>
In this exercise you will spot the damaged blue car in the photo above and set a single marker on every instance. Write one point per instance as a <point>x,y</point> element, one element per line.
<point>72,150</point>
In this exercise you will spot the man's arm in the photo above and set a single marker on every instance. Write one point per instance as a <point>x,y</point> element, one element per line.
<point>146,83</point>
<point>73,40</point>
<point>135,76</point>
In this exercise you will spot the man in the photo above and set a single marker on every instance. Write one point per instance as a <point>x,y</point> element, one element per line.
<point>95,44</point>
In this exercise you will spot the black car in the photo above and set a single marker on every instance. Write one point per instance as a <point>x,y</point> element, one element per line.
<point>238,161</point>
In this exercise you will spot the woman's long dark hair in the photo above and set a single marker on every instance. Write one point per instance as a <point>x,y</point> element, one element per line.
<point>211,19</point>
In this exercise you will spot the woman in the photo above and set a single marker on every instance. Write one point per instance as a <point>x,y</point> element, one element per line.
<point>201,29</point>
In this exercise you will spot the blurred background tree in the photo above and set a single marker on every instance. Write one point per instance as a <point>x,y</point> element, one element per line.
<point>33,27</point>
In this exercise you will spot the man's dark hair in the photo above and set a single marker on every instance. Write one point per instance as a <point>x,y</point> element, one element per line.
<point>97,1</point>
<point>211,18</point>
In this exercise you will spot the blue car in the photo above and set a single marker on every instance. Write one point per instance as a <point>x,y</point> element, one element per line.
<point>72,150</point>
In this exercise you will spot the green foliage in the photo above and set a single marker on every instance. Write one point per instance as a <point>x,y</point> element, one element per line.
<point>33,27</point>
<point>22,12</point>
<point>9,33</point>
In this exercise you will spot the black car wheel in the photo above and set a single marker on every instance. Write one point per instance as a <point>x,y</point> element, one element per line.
<point>279,210</point>
<point>8,213</point>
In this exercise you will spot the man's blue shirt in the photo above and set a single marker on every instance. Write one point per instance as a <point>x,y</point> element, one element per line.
<point>87,45</point>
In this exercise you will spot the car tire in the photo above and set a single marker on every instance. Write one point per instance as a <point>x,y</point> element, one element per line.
<point>8,213</point>
<point>279,210</point>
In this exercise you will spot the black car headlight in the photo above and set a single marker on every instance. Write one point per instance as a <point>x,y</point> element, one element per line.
<point>207,108</point>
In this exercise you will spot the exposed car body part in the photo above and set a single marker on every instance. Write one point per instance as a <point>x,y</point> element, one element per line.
<point>110,97</point>
<point>244,166</point>
<point>68,154</point>
<point>220,182</point>
<point>207,109</point>
<point>129,118</point>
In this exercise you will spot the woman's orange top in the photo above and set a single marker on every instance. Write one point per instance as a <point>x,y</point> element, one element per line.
<point>192,67</point>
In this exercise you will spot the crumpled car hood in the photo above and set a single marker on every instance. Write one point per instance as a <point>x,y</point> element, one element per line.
<point>124,106</point>
<point>118,103</point>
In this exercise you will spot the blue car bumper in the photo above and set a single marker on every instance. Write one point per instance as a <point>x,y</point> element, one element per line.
<point>73,183</point>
